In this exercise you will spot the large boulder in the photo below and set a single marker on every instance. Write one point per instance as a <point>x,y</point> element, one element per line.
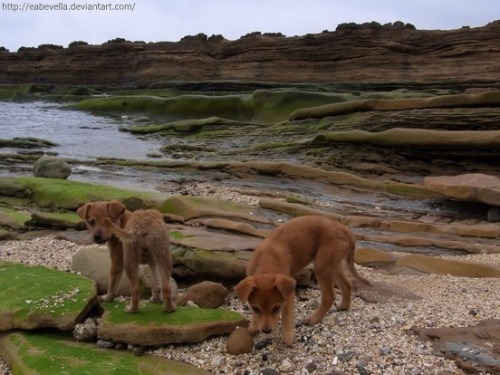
<point>51,167</point>
<point>94,262</point>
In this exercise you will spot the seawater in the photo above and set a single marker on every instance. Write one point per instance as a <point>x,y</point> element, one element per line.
<point>78,134</point>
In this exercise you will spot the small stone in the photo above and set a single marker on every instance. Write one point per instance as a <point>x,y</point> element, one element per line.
<point>311,367</point>
<point>287,365</point>
<point>86,331</point>
<point>239,342</point>
<point>384,350</point>
<point>269,371</point>
<point>361,367</point>
<point>472,312</point>
<point>263,343</point>
<point>105,344</point>
<point>216,361</point>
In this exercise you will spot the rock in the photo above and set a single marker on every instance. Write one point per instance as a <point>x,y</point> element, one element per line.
<point>62,355</point>
<point>94,263</point>
<point>86,331</point>
<point>493,214</point>
<point>397,54</point>
<point>153,326</point>
<point>476,187</point>
<point>13,188</point>
<point>287,365</point>
<point>239,342</point>
<point>206,294</point>
<point>43,297</point>
<point>448,266</point>
<point>472,348</point>
<point>51,167</point>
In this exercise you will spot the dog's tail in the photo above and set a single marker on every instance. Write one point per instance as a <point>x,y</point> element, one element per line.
<point>116,230</point>
<point>350,260</point>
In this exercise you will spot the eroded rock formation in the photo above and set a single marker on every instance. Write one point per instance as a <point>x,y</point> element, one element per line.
<point>367,55</point>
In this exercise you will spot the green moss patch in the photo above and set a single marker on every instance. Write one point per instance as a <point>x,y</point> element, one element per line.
<point>48,353</point>
<point>152,314</point>
<point>36,296</point>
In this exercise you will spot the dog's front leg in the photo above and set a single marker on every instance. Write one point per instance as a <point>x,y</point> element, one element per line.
<point>288,321</point>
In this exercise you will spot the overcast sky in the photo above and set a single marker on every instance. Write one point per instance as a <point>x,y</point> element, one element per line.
<point>28,24</point>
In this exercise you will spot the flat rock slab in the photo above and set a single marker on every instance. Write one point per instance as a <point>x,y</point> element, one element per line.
<point>474,349</point>
<point>39,297</point>
<point>152,326</point>
<point>41,353</point>
<point>476,187</point>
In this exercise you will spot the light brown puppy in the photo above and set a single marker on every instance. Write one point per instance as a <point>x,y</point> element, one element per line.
<point>133,238</point>
<point>269,287</point>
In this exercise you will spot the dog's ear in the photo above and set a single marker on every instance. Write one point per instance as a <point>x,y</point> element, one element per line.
<point>245,287</point>
<point>116,209</point>
<point>285,285</point>
<point>82,211</point>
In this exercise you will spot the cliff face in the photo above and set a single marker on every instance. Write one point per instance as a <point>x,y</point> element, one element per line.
<point>369,53</point>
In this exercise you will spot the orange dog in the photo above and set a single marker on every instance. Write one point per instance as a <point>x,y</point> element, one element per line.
<point>269,286</point>
<point>133,238</point>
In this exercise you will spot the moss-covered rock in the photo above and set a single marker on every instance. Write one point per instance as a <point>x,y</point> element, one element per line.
<point>65,194</point>
<point>35,296</point>
<point>49,353</point>
<point>153,326</point>
<point>489,98</point>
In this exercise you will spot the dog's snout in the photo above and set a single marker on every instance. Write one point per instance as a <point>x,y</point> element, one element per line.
<point>98,237</point>
<point>267,330</point>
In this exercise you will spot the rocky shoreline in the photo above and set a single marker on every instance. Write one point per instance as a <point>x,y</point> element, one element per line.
<point>371,338</point>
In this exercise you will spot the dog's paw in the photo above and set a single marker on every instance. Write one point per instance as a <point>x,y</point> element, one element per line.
<point>107,297</point>
<point>288,338</point>
<point>171,307</point>
<point>253,331</point>
<point>131,309</point>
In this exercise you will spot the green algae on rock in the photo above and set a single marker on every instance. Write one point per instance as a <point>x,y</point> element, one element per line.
<point>50,353</point>
<point>69,195</point>
<point>36,297</point>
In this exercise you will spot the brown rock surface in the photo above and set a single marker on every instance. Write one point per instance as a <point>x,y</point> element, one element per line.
<point>384,54</point>
<point>475,349</point>
<point>207,294</point>
<point>470,187</point>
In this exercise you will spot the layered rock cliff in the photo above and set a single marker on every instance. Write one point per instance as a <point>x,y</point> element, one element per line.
<point>368,54</point>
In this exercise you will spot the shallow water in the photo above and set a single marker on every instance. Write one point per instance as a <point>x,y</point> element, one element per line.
<point>78,134</point>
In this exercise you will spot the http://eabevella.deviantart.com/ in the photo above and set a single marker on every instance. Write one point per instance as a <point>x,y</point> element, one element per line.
<point>58,7</point>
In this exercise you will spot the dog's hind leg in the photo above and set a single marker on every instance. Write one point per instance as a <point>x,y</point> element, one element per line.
<point>325,275</point>
<point>346,288</point>
<point>132,270</point>
<point>164,268</point>
<point>156,281</point>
